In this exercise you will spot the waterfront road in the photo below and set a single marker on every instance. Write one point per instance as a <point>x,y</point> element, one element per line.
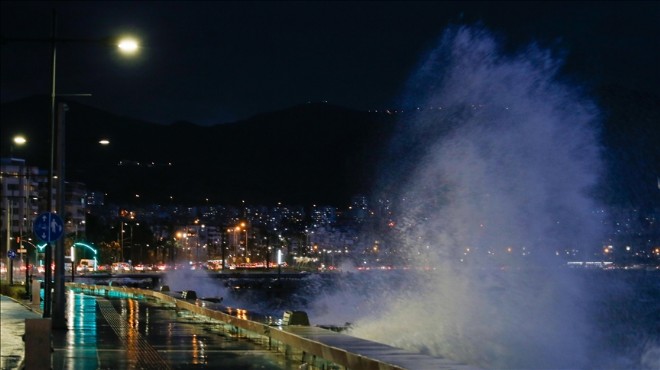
<point>123,333</point>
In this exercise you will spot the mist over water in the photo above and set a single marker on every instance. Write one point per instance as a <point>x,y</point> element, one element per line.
<point>496,178</point>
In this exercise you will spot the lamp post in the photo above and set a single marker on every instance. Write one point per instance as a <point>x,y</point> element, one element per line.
<point>20,141</point>
<point>247,249</point>
<point>121,240</point>
<point>226,243</point>
<point>22,187</point>
<point>58,310</point>
<point>243,227</point>
<point>236,243</point>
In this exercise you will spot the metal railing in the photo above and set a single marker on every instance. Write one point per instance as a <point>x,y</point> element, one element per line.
<point>316,347</point>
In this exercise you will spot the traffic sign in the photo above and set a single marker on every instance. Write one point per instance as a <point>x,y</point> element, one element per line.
<point>21,250</point>
<point>48,227</point>
<point>11,254</point>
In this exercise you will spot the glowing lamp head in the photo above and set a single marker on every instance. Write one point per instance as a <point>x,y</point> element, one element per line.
<point>127,45</point>
<point>20,140</point>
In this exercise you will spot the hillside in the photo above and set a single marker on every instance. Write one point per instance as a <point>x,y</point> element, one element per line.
<point>305,154</point>
<point>312,153</point>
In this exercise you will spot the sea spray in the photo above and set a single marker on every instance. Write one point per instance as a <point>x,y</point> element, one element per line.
<point>197,280</point>
<point>496,187</point>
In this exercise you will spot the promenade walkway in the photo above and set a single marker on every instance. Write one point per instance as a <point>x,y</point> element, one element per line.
<point>118,330</point>
<point>120,333</point>
<point>12,327</point>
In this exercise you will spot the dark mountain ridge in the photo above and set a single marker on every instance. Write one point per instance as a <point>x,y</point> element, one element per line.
<point>311,153</point>
<point>305,154</point>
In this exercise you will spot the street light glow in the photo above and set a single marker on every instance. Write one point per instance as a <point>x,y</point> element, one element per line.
<point>128,45</point>
<point>19,140</point>
<point>104,142</point>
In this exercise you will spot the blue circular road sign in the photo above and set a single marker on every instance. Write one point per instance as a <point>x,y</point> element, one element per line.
<point>48,227</point>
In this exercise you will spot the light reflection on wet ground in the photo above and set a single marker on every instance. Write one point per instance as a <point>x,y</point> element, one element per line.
<point>11,331</point>
<point>122,333</point>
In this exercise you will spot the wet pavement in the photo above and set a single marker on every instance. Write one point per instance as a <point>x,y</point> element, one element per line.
<point>114,331</point>
<point>124,333</point>
<point>12,327</point>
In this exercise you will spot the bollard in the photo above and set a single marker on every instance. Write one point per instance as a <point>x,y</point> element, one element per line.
<point>36,292</point>
<point>38,347</point>
<point>189,295</point>
<point>295,318</point>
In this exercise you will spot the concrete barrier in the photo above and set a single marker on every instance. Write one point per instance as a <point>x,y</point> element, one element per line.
<point>300,342</point>
<point>295,318</point>
<point>36,292</point>
<point>38,345</point>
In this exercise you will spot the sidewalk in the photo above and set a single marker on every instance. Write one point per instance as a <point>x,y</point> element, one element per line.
<point>128,333</point>
<point>12,328</point>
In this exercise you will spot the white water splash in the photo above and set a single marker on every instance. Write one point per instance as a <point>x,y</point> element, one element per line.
<point>500,186</point>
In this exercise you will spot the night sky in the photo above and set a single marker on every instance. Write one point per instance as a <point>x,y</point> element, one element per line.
<point>217,62</point>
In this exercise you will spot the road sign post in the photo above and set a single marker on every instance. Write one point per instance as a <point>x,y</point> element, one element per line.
<point>11,254</point>
<point>48,227</point>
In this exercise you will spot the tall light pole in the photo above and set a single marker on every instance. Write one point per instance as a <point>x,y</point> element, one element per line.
<point>58,142</point>
<point>236,242</point>
<point>22,195</point>
<point>48,256</point>
<point>247,250</point>
<point>121,240</point>
<point>24,181</point>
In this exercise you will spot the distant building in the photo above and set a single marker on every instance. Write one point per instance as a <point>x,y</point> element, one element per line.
<point>75,208</point>
<point>325,215</point>
<point>359,209</point>
<point>94,198</point>
<point>25,195</point>
<point>19,198</point>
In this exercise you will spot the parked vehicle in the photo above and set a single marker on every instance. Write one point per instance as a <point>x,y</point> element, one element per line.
<point>86,265</point>
<point>121,267</point>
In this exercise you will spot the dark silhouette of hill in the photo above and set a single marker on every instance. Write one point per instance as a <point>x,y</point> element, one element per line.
<point>311,153</point>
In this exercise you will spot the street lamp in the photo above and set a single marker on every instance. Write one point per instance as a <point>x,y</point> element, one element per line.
<point>128,45</point>
<point>23,186</point>
<point>247,250</point>
<point>58,311</point>
<point>19,140</point>
<point>200,232</point>
<point>237,229</point>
